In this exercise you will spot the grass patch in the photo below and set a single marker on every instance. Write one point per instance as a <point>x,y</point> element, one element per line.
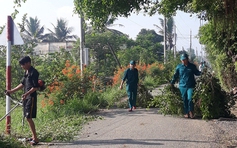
<point>59,122</point>
<point>113,95</point>
<point>11,142</point>
<point>48,126</point>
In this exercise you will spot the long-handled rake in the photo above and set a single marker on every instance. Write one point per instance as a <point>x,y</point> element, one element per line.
<point>42,86</point>
<point>18,103</point>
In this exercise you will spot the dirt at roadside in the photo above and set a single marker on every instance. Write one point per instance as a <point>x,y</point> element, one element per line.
<point>225,131</point>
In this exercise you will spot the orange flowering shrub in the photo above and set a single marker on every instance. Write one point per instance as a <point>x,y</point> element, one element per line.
<point>55,86</point>
<point>155,69</point>
<point>70,85</point>
<point>118,75</point>
<point>143,71</point>
<point>71,70</point>
<point>45,102</point>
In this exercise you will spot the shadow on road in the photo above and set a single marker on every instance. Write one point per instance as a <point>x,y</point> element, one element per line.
<point>112,113</point>
<point>130,142</point>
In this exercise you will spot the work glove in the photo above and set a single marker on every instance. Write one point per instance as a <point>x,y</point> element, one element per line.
<point>172,87</point>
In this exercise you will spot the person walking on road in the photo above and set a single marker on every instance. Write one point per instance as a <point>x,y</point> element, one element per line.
<point>185,72</point>
<point>30,84</point>
<point>131,78</point>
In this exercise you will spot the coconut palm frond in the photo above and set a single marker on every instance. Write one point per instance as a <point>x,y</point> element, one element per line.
<point>161,22</point>
<point>161,31</point>
<point>169,30</point>
<point>61,31</point>
<point>33,29</point>
<point>40,32</point>
<point>170,25</point>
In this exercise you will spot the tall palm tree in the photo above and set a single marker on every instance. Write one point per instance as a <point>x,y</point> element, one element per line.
<point>169,30</point>
<point>61,32</point>
<point>33,29</point>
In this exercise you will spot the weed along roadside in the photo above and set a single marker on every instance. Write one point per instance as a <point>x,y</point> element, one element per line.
<point>70,109</point>
<point>66,105</point>
<point>148,128</point>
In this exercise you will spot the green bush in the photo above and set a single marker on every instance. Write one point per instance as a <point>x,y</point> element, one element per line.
<point>143,96</point>
<point>63,128</point>
<point>11,142</point>
<point>112,95</point>
<point>169,102</point>
<point>210,100</point>
<point>149,82</point>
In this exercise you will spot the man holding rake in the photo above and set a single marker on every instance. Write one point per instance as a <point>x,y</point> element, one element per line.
<point>30,84</point>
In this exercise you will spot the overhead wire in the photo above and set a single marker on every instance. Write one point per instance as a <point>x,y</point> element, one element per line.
<point>136,23</point>
<point>184,37</point>
<point>187,39</point>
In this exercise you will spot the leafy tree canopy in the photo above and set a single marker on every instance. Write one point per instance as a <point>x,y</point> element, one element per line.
<point>98,11</point>
<point>150,35</point>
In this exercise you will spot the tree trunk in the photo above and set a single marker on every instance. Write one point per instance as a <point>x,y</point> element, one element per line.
<point>115,57</point>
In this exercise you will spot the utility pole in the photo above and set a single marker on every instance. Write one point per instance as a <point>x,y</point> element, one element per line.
<point>201,55</point>
<point>164,40</point>
<point>196,51</point>
<point>10,36</point>
<point>82,43</point>
<point>201,44</point>
<point>175,41</point>
<point>190,43</point>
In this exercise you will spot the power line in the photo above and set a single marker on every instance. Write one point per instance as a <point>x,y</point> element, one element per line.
<point>136,23</point>
<point>181,34</point>
<point>184,21</point>
<point>186,37</point>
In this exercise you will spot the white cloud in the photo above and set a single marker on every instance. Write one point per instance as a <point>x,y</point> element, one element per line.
<point>66,11</point>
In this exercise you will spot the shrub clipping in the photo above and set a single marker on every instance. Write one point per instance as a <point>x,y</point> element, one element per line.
<point>169,101</point>
<point>210,101</point>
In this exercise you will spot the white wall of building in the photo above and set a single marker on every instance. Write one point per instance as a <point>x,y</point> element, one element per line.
<point>51,47</point>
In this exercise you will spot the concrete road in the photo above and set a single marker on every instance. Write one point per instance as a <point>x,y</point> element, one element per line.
<point>143,129</point>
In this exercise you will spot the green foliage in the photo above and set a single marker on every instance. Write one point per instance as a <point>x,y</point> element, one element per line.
<point>168,102</point>
<point>10,142</point>
<point>169,30</point>
<point>219,34</point>
<point>33,30</point>
<point>113,95</point>
<point>149,82</point>
<point>103,48</point>
<point>60,33</point>
<point>149,43</point>
<point>210,99</point>
<point>99,11</point>
<point>221,46</point>
<point>169,70</point>
<point>143,96</point>
<point>64,128</point>
<point>91,102</point>
<point>148,35</point>
<point>131,53</point>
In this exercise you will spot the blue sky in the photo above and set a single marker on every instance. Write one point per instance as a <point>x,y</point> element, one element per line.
<point>48,11</point>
